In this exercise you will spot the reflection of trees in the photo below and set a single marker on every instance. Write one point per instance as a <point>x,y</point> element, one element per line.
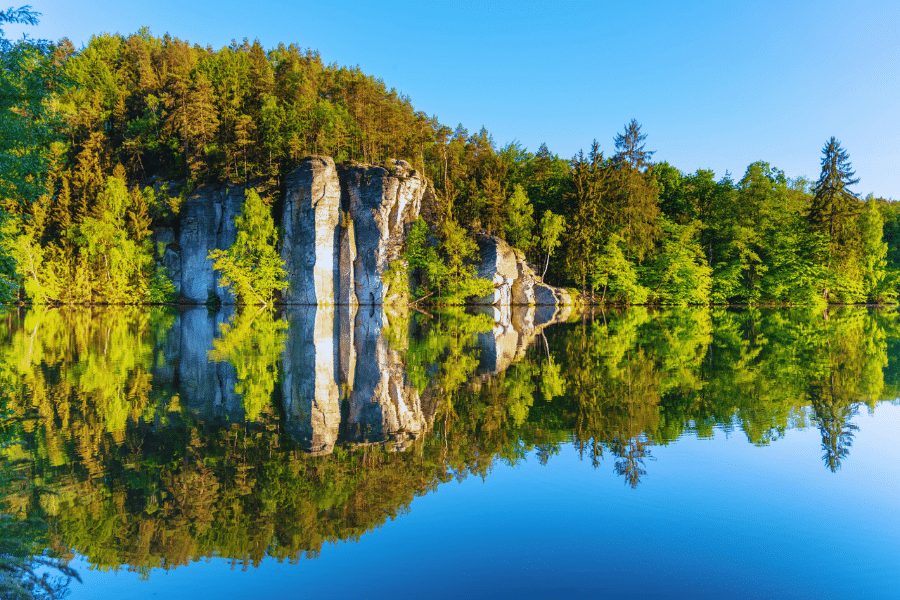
<point>138,480</point>
<point>833,414</point>
<point>252,342</point>
<point>27,570</point>
<point>630,454</point>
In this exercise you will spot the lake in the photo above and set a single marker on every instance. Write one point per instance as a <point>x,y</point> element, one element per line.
<point>635,453</point>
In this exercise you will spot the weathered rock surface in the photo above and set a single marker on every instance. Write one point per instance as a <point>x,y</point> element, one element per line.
<point>311,249</point>
<point>382,202</point>
<point>343,227</point>
<point>515,282</point>
<point>207,222</point>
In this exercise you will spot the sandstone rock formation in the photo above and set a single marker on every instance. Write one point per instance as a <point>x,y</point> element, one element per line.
<point>382,201</point>
<point>515,282</point>
<point>343,227</point>
<point>311,222</point>
<point>207,222</point>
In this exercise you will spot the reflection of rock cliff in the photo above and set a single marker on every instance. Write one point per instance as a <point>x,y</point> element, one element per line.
<point>515,329</point>
<point>342,357</point>
<point>342,376</point>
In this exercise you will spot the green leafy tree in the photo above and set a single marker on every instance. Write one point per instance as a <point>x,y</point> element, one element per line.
<point>251,265</point>
<point>617,277</point>
<point>552,228</point>
<point>679,274</point>
<point>461,280</point>
<point>27,116</point>
<point>519,220</point>
<point>880,281</point>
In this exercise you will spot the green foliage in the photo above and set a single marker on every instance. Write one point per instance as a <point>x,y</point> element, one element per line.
<point>519,220</point>
<point>28,112</point>
<point>617,277</point>
<point>445,270</point>
<point>460,279</point>
<point>424,260</point>
<point>141,108</point>
<point>880,282</point>
<point>251,265</point>
<point>678,273</point>
<point>552,229</point>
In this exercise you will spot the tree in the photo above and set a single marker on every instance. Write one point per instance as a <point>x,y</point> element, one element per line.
<point>519,220</point>
<point>617,276</point>
<point>679,273</point>
<point>834,205</point>
<point>636,190</point>
<point>26,117</point>
<point>833,212</point>
<point>251,264</point>
<point>552,228</point>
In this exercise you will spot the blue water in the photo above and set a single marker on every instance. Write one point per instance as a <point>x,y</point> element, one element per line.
<point>712,518</point>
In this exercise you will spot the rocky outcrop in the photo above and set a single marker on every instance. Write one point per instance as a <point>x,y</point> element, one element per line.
<point>344,230</point>
<point>382,201</point>
<point>207,222</point>
<point>311,220</point>
<point>344,227</point>
<point>515,282</point>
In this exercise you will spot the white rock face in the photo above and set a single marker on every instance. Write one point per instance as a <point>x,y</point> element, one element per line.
<point>382,202</point>
<point>498,264</point>
<point>515,282</point>
<point>207,222</point>
<point>311,223</point>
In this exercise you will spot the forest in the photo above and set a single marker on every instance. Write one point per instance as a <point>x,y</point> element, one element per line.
<point>99,145</point>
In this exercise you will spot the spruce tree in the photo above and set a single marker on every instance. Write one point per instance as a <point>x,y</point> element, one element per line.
<point>834,206</point>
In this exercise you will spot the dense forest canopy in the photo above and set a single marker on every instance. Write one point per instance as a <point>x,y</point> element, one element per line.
<point>100,141</point>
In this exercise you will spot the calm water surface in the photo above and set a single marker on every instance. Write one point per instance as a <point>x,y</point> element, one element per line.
<point>630,454</point>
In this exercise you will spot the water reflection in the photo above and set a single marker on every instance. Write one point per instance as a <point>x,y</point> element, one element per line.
<point>160,437</point>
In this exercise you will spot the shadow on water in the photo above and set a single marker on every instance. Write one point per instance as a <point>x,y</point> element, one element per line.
<point>153,438</point>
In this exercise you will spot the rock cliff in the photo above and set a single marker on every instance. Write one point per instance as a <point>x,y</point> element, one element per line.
<point>515,282</point>
<point>344,227</point>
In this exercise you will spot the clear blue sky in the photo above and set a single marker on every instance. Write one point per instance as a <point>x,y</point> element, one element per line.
<point>716,85</point>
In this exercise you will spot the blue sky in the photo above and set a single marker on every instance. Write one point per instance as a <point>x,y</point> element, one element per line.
<point>715,85</point>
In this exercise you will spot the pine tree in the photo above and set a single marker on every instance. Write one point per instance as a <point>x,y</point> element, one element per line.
<point>834,206</point>
<point>833,212</point>
<point>638,194</point>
